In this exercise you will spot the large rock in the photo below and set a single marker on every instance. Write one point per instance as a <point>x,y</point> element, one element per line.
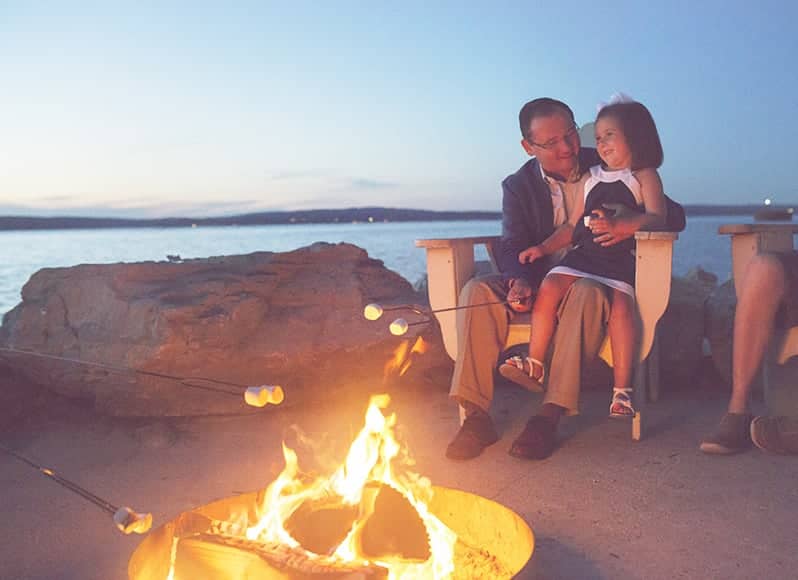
<point>293,319</point>
<point>721,305</point>
<point>681,330</point>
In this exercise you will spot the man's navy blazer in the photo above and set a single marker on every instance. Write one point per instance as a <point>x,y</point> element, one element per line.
<point>528,217</point>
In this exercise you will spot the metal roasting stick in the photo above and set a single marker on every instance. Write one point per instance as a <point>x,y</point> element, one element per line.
<point>254,396</point>
<point>374,311</point>
<point>126,520</point>
<point>400,326</point>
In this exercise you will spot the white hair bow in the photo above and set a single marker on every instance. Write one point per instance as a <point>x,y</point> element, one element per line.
<point>615,99</point>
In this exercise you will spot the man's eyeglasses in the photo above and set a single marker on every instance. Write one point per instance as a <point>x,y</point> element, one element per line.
<point>555,142</point>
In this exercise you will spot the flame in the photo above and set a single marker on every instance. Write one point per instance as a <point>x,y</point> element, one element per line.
<point>403,356</point>
<point>373,457</point>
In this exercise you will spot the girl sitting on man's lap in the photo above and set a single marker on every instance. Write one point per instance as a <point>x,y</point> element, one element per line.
<point>621,196</point>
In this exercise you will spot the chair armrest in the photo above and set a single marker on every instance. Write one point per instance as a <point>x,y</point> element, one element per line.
<point>748,240</point>
<point>450,264</point>
<point>653,268</point>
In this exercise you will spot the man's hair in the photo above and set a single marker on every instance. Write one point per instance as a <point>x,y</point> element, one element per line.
<point>640,132</point>
<point>542,107</point>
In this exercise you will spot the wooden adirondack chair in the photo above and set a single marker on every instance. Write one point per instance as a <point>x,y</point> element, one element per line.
<point>748,240</point>
<point>450,264</point>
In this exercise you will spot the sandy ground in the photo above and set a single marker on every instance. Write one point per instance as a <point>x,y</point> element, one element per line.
<point>600,507</point>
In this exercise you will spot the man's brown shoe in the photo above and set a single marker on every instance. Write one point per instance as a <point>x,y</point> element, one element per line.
<point>476,433</point>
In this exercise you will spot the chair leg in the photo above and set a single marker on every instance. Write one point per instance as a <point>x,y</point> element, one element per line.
<point>653,371</point>
<point>641,374</point>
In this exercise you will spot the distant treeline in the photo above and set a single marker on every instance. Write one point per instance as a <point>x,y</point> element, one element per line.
<point>314,216</point>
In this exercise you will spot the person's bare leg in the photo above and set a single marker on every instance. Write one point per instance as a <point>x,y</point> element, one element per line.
<point>761,292</point>
<point>544,313</point>
<point>622,330</point>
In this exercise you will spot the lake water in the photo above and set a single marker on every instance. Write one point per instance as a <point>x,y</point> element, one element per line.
<point>24,252</point>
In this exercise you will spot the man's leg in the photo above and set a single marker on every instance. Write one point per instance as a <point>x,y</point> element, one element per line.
<point>580,331</point>
<point>481,333</point>
<point>761,293</point>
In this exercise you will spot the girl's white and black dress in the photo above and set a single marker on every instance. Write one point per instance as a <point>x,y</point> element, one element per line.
<point>613,266</point>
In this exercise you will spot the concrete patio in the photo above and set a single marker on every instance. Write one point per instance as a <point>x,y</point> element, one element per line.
<point>600,507</point>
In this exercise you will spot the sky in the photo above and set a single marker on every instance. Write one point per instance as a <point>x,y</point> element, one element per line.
<point>166,108</point>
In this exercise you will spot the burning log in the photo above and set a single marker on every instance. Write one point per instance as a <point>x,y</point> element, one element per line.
<point>297,562</point>
<point>320,526</point>
<point>394,529</point>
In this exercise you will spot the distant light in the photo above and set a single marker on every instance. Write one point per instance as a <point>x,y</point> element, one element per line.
<point>371,220</point>
<point>768,201</point>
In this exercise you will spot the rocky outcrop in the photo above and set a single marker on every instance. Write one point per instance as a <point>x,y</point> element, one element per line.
<point>682,329</point>
<point>719,317</point>
<point>293,319</point>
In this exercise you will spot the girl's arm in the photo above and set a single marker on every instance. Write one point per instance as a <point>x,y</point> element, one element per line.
<point>560,237</point>
<point>611,230</point>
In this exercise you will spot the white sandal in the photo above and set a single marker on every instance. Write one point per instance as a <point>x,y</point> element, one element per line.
<point>621,404</point>
<point>515,370</point>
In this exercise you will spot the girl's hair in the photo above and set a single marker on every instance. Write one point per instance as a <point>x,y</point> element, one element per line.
<point>640,131</point>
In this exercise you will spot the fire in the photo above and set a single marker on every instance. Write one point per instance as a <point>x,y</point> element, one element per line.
<point>403,356</point>
<point>373,461</point>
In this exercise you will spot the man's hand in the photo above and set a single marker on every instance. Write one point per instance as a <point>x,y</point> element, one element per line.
<point>531,254</point>
<point>519,295</point>
<point>608,231</point>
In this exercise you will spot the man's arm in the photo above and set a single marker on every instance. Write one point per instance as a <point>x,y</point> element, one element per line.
<point>562,236</point>
<point>517,236</point>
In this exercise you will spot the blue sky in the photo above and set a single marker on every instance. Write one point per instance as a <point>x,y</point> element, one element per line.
<point>199,108</point>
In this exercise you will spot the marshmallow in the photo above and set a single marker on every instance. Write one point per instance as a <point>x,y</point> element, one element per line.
<point>372,311</point>
<point>399,327</point>
<point>129,521</point>
<point>263,395</point>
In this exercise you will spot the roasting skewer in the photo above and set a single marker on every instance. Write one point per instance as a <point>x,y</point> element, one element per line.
<point>253,395</point>
<point>126,519</point>
<point>400,326</point>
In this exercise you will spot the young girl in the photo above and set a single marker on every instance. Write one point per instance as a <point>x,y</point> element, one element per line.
<point>621,196</point>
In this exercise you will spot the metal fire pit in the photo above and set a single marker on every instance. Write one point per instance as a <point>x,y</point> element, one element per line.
<point>493,542</point>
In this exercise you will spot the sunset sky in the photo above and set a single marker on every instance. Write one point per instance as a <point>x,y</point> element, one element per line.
<point>212,108</point>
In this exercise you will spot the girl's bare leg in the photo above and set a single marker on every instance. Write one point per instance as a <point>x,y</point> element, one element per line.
<point>544,312</point>
<point>623,335</point>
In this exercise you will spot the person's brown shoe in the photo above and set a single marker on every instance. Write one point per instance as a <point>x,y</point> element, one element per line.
<point>776,434</point>
<point>731,436</point>
<point>476,433</point>
<point>537,440</point>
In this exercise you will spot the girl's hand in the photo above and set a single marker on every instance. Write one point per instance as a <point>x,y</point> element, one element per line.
<point>530,254</point>
<point>608,231</point>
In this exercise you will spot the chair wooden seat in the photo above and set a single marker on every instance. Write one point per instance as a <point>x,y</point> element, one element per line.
<point>450,264</point>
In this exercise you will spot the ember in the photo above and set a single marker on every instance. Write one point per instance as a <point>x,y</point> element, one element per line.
<point>372,518</point>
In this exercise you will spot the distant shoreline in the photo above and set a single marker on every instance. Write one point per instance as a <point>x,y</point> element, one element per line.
<point>316,216</point>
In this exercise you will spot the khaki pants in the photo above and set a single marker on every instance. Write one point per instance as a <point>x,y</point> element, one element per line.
<point>582,319</point>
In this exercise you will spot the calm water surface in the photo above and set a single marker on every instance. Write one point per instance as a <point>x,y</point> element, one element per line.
<point>23,253</point>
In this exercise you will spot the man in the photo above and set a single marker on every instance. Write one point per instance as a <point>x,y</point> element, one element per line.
<point>536,200</point>
<point>768,296</point>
